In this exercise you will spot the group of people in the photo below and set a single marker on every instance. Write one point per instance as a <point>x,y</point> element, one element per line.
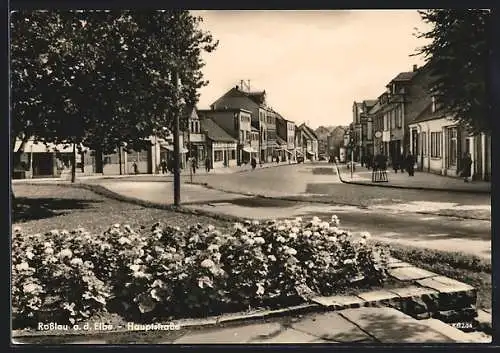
<point>400,163</point>
<point>168,167</point>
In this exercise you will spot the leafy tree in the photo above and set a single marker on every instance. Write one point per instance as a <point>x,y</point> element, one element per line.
<point>458,58</point>
<point>102,78</point>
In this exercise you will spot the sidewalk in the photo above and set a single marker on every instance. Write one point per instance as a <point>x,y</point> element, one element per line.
<point>421,180</point>
<point>184,173</point>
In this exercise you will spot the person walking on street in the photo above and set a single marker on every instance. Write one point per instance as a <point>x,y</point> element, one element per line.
<point>193,164</point>
<point>410,164</point>
<point>207,164</point>
<point>466,167</point>
<point>136,168</point>
<point>163,166</point>
<point>277,159</point>
<point>253,163</point>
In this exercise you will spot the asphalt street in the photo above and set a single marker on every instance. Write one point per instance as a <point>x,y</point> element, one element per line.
<point>397,215</point>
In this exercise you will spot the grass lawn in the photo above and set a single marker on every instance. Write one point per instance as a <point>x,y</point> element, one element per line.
<point>70,208</point>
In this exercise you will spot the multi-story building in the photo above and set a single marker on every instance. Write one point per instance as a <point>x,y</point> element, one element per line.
<point>309,142</point>
<point>221,147</point>
<point>335,141</point>
<point>286,133</point>
<point>237,123</point>
<point>255,102</point>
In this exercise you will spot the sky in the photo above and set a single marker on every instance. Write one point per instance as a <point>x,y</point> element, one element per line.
<point>312,64</point>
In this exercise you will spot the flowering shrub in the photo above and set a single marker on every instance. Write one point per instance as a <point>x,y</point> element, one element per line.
<point>169,271</point>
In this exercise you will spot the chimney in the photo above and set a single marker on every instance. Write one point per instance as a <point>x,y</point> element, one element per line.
<point>415,67</point>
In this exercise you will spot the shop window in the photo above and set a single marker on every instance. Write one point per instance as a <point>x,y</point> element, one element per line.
<point>218,156</point>
<point>436,144</point>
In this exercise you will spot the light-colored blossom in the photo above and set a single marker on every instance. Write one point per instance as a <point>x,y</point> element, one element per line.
<point>280,239</point>
<point>211,228</point>
<point>66,253</point>
<point>76,261</point>
<point>272,258</point>
<point>260,240</point>
<point>49,251</point>
<point>17,229</point>
<point>124,240</point>
<point>294,230</point>
<point>116,225</point>
<point>366,235</point>
<point>31,288</point>
<point>207,263</point>
<point>22,266</point>
<point>307,233</point>
<point>348,261</point>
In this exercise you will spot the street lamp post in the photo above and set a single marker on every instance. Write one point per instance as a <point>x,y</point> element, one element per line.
<point>177,179</point>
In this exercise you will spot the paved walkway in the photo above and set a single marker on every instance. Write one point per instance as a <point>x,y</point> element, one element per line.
<point>364,325</point>
<point>421,180</point>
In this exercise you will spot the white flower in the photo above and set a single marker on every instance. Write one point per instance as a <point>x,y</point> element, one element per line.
<point>362,241</point>
<point>64,232</point>
<point>22,266</point>
<point>116,225</point>
<point>272,257</point>
<point>207,263</point>
<point>255,222</point>
<point>260,289</point>
<point>124,240</point>
<point>135,267</point>
<point>332,239</point>
<point>17,229</point>
<point>310,265</point>
<point>76,261</point>
<point>281,228</point>
<point>49,251</point>
<point>365,235</point>
<point>259,240</point>
<point>66,253</point>
<point>316,220</point>
<point>30,287</point>
<point>292,236</point>
<point>348,261</point>
<point>250,241</point>
<point>294,230</point>
<point>47,244</point>
<point>211,228</point>
<point>307,233</point>
<point>280,239</point>
<point>324,225</point>
<point>213,247</point>
<point>54,232</point>
<point>291,251</point>
<point>30,255</point>
<point>298,219</point>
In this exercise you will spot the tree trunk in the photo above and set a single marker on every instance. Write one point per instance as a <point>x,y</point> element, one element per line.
<point>73,165</point>
<point>120,158</point>
<point>15,160</point>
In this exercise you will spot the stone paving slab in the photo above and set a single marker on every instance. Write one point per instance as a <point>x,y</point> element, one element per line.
<point>413,291</point>
<point>398,264</point>
<point>410,273</point>
<point>330,326</point>
<point>339,301</point>
<point>444,284</point>
<point>388,325</point>
<point>240,334</point>
<point>289,336</point>
<point>377,296</point>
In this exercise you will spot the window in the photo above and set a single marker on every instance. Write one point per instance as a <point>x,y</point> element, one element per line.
<point>386,120</point>
<point>452,145</point>
<point>393,119</point>
<point>399,117</point>
<point>247,135</point>
<point>233,154</point>
<point>242,137</point>
<point>424,143</point>
<point>436,144</point>
<point>218,156</point>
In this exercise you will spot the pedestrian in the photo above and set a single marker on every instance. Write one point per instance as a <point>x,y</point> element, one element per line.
<point>253,162</point>
<point>466,167</point>
<point>207,164</point>
<point>410,164</point>
<point>136,168</point>
<point>277,159</point>
<point>193,164</point>
<point>163,166</point>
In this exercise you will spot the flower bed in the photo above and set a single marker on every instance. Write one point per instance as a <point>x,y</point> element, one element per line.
<point>168,272</point>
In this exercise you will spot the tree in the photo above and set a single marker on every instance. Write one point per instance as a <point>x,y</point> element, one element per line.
<point>458,57</point>
<point>102,79</point>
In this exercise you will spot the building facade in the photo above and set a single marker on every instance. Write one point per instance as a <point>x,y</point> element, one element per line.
<point>221,147</point>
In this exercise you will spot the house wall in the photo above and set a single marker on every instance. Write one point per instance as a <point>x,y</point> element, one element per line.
<point>227,152</point>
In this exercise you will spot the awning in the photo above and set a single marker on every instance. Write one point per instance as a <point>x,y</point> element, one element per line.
<point>299,153</point>
<point>249,149</point>
<point>182,149</point>
<point>310,153</point>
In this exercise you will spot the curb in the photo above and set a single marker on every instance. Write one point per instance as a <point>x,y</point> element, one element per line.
<point>411,187</point>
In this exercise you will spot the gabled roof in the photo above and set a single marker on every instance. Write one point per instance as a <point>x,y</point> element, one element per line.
<point>308,131</point>
<point>370,102</point>
<point>214,132</point>
<point>404,76</point>
<point>376,108</point>
<point>427,114</point>
<point>257,98</point>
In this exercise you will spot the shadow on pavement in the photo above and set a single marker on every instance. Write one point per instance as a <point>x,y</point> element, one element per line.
<point>27,209</point>
<point>262,202</point>
<point>324,171</point>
